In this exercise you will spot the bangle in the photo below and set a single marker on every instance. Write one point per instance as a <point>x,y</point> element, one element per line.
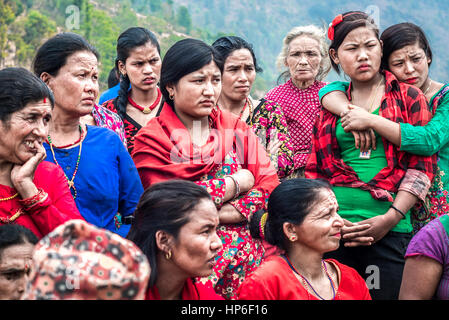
<point>402,213</point>
<point>237,187</point>
<point>39,197</point>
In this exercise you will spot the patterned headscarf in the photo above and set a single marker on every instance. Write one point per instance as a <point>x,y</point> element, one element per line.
<point>78,261</point>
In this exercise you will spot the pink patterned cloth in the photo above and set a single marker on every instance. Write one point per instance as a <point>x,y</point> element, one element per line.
<point>301,108</point>
<point>108,119</point>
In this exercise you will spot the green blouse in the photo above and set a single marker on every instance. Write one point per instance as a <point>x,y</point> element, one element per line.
<point>356,204</point>
<point>424,140</point>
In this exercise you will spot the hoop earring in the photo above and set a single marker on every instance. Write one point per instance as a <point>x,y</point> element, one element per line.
<point>168,255</point>
<point>172,96</point>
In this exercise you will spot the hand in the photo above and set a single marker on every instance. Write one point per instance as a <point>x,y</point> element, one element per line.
<point>356,118</point>
<point>364,140</point>
<point>22,175</point>
<point>374,228</point>
<point>352,238</point>
<point>274,144</point>
<point>229,214</point>
<point>245,179</point>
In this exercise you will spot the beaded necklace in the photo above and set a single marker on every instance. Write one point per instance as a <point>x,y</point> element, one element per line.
<point>9,198</point>
<point>146,110</point>
<point>307,283</point>
<point>70,144</point>
<point>71,182</point>
<point>247,104</point>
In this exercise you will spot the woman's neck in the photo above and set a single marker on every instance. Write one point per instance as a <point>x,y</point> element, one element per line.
<point>63,124</point>
<point>303,84</point>
<point>144,98</point>
<point>366,86</point>
<point>170,282</point>
<point>307,262</point>
<point>234,106</point>
<point>5,173</point>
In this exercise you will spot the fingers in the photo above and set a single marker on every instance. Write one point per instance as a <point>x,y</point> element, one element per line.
<point>362,241</point>
<point>356,138</point>
<point>373,139</point>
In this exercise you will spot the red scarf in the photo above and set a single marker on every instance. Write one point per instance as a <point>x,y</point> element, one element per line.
<point>164,150</point>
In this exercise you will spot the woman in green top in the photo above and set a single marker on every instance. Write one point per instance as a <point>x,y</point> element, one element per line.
<point>407,54</point>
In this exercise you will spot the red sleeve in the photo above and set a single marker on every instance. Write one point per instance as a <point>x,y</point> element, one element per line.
<point>59,207</point>
<point>418,113</point>
<point>253,156</point>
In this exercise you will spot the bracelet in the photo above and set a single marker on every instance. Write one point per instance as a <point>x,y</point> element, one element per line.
<point>40,196</point>
<point>402,213</point>
<point>237,187</point>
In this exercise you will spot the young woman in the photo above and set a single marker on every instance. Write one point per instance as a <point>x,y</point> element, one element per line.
<point>302,220</point>
<point>375,190</point>
<point>139,65</point>
<point>407,54</point>
<point>194,140</point>
<point>265,117</point>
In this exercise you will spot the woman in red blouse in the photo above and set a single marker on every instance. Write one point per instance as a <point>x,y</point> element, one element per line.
<point>139,64</point>
<point>175,226</point>
<point>302,220</point>
<point>194,140</point>
<point>33,193</point>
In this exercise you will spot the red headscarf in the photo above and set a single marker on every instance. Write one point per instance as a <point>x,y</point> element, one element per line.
<point>164,150</point>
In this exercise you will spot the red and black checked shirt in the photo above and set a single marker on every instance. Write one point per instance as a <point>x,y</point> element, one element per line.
<point>400,103</point>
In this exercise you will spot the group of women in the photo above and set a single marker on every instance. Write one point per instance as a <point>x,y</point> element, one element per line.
<point>293,196</point>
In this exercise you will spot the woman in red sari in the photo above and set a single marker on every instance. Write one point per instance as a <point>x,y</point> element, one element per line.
<point>175,226</point>
<point>303,221</point>
<point>33,193</point>
<point>194,140</point>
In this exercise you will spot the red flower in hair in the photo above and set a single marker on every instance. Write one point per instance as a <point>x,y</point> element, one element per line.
<point>334,23</point>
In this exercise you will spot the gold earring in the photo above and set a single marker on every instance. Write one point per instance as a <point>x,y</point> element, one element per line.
<point>168,255</point>
<point>293,238</point>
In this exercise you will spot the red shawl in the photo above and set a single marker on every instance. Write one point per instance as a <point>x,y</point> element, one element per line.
<point>163,150</point>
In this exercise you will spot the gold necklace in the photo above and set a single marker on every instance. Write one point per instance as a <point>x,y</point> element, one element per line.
<point>9,198</point>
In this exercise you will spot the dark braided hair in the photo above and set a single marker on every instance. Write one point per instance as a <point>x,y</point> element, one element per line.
<point>131,38</point>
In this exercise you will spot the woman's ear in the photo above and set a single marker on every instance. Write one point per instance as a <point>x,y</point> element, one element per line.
<point>164,241</point>
<point>46,77</point>
<point>290,231</point>
<point>334,56</point>
<point>121,68</point>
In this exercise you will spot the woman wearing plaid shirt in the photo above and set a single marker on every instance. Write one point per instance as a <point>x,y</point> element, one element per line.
<point>377,188</point>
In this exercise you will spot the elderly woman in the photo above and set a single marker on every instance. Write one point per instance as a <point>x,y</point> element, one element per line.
<point>305,58</point>
<point>303,221</point>
<point>78,261</point>
<point>175,226</point>
<point>194,140</point>
<point>139,65</point>
<point>264,117</point>
<point>99,170</point>
<point>32,193</point>
<point>16,247</point>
